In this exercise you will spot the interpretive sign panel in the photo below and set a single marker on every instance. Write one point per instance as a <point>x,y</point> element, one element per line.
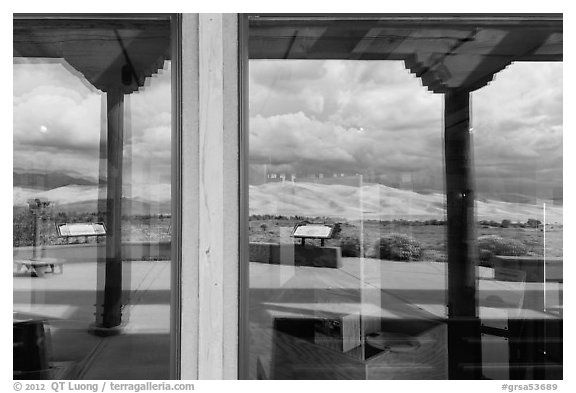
<point>81,229</point>
<point>313,231</point>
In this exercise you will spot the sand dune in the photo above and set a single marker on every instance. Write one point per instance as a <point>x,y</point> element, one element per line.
<point>378,202</point>
<point>371,202</point>
<point>60,195</point>
<point>81,193</point>
<point>149,199</point>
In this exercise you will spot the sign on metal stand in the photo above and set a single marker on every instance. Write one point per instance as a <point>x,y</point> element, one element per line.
<point>305,231</point>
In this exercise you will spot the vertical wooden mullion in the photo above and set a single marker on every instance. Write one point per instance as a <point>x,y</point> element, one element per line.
<point>189,172</point>
<point>231,195</point>
<point>211,187</point>
<point>218,196</point>
<point>243,173</point>
<point>176,199</point>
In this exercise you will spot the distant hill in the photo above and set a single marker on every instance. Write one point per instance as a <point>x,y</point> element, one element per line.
<point>130,207</point>
<point>378,202</point>
<point>47,181</point>
<point>84,199</point>
<point>370,202</point>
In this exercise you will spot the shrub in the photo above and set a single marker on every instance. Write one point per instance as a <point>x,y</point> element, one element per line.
<point>533,223</point>
<point>337,230</point>
<point>434,255</point>
<point>23,229</point>
<point>490,245</point>
<point>350,246</point>
<point>398,247</point>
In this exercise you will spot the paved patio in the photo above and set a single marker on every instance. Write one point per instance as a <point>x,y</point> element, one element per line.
<point>67,303</point>
<point>373,288</point>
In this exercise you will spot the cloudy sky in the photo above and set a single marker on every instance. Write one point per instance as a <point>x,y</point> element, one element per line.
<point>375,118</point>
<point>309,117</point>
<point>58,122</point>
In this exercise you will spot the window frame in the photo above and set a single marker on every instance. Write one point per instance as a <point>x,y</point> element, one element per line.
<point>305,19</point>
<point>176,158</point>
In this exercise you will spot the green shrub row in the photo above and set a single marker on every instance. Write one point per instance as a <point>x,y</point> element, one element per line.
<point>491,245</point>
<point>401,247</point>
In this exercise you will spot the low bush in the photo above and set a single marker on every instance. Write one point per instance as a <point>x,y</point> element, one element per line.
<point>434,256</point>
<point>397,247</point>
<point>350,246</point>
<point>491,245</point>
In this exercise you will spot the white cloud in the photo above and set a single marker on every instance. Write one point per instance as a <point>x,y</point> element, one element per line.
<point>518,128</point>
<point>58,123</point>
<point>363,126</point>
<point>311,116</point>
<point>517,121</point>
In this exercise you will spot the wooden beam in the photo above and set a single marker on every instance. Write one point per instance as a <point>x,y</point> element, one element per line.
<point>455,21</point>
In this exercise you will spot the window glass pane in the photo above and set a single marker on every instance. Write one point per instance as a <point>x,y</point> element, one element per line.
<point>355,146</point>
<point>91,198</point>
<point>518,152</point>
<point>399,174</point>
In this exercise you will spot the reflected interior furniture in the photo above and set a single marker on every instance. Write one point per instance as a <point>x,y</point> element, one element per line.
<point>304,320</point>
<point>31,358</point>
<point>316,323</point>
<point>531,337</point>
<point>537,268</point>
<point>415,349</point>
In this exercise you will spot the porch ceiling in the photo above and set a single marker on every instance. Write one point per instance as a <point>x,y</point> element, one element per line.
<point>446,53</point>
<point>449,52</point>
<point>113,54</point>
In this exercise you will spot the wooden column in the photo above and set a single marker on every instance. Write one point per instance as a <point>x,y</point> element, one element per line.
<point>463,325</point>
<point>112,315</point>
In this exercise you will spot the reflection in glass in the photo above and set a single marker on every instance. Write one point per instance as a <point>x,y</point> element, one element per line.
<point>92,126</point>
<point>330,147</point>
<point>437,263</point>
<point>518,151</point>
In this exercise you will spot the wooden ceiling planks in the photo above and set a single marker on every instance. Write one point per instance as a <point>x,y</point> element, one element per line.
<point>112,55</point>
<point>446,53</point>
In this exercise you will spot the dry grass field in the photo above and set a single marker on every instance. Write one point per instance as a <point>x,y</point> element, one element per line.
<point>431,237</point>
<point>275,229</point>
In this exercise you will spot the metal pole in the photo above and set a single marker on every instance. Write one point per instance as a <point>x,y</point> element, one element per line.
<point>35,233</point>
<point>464,348</point>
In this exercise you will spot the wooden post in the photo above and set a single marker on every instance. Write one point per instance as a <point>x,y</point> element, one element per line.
<point>463,324</point>
<point>112,315</point>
